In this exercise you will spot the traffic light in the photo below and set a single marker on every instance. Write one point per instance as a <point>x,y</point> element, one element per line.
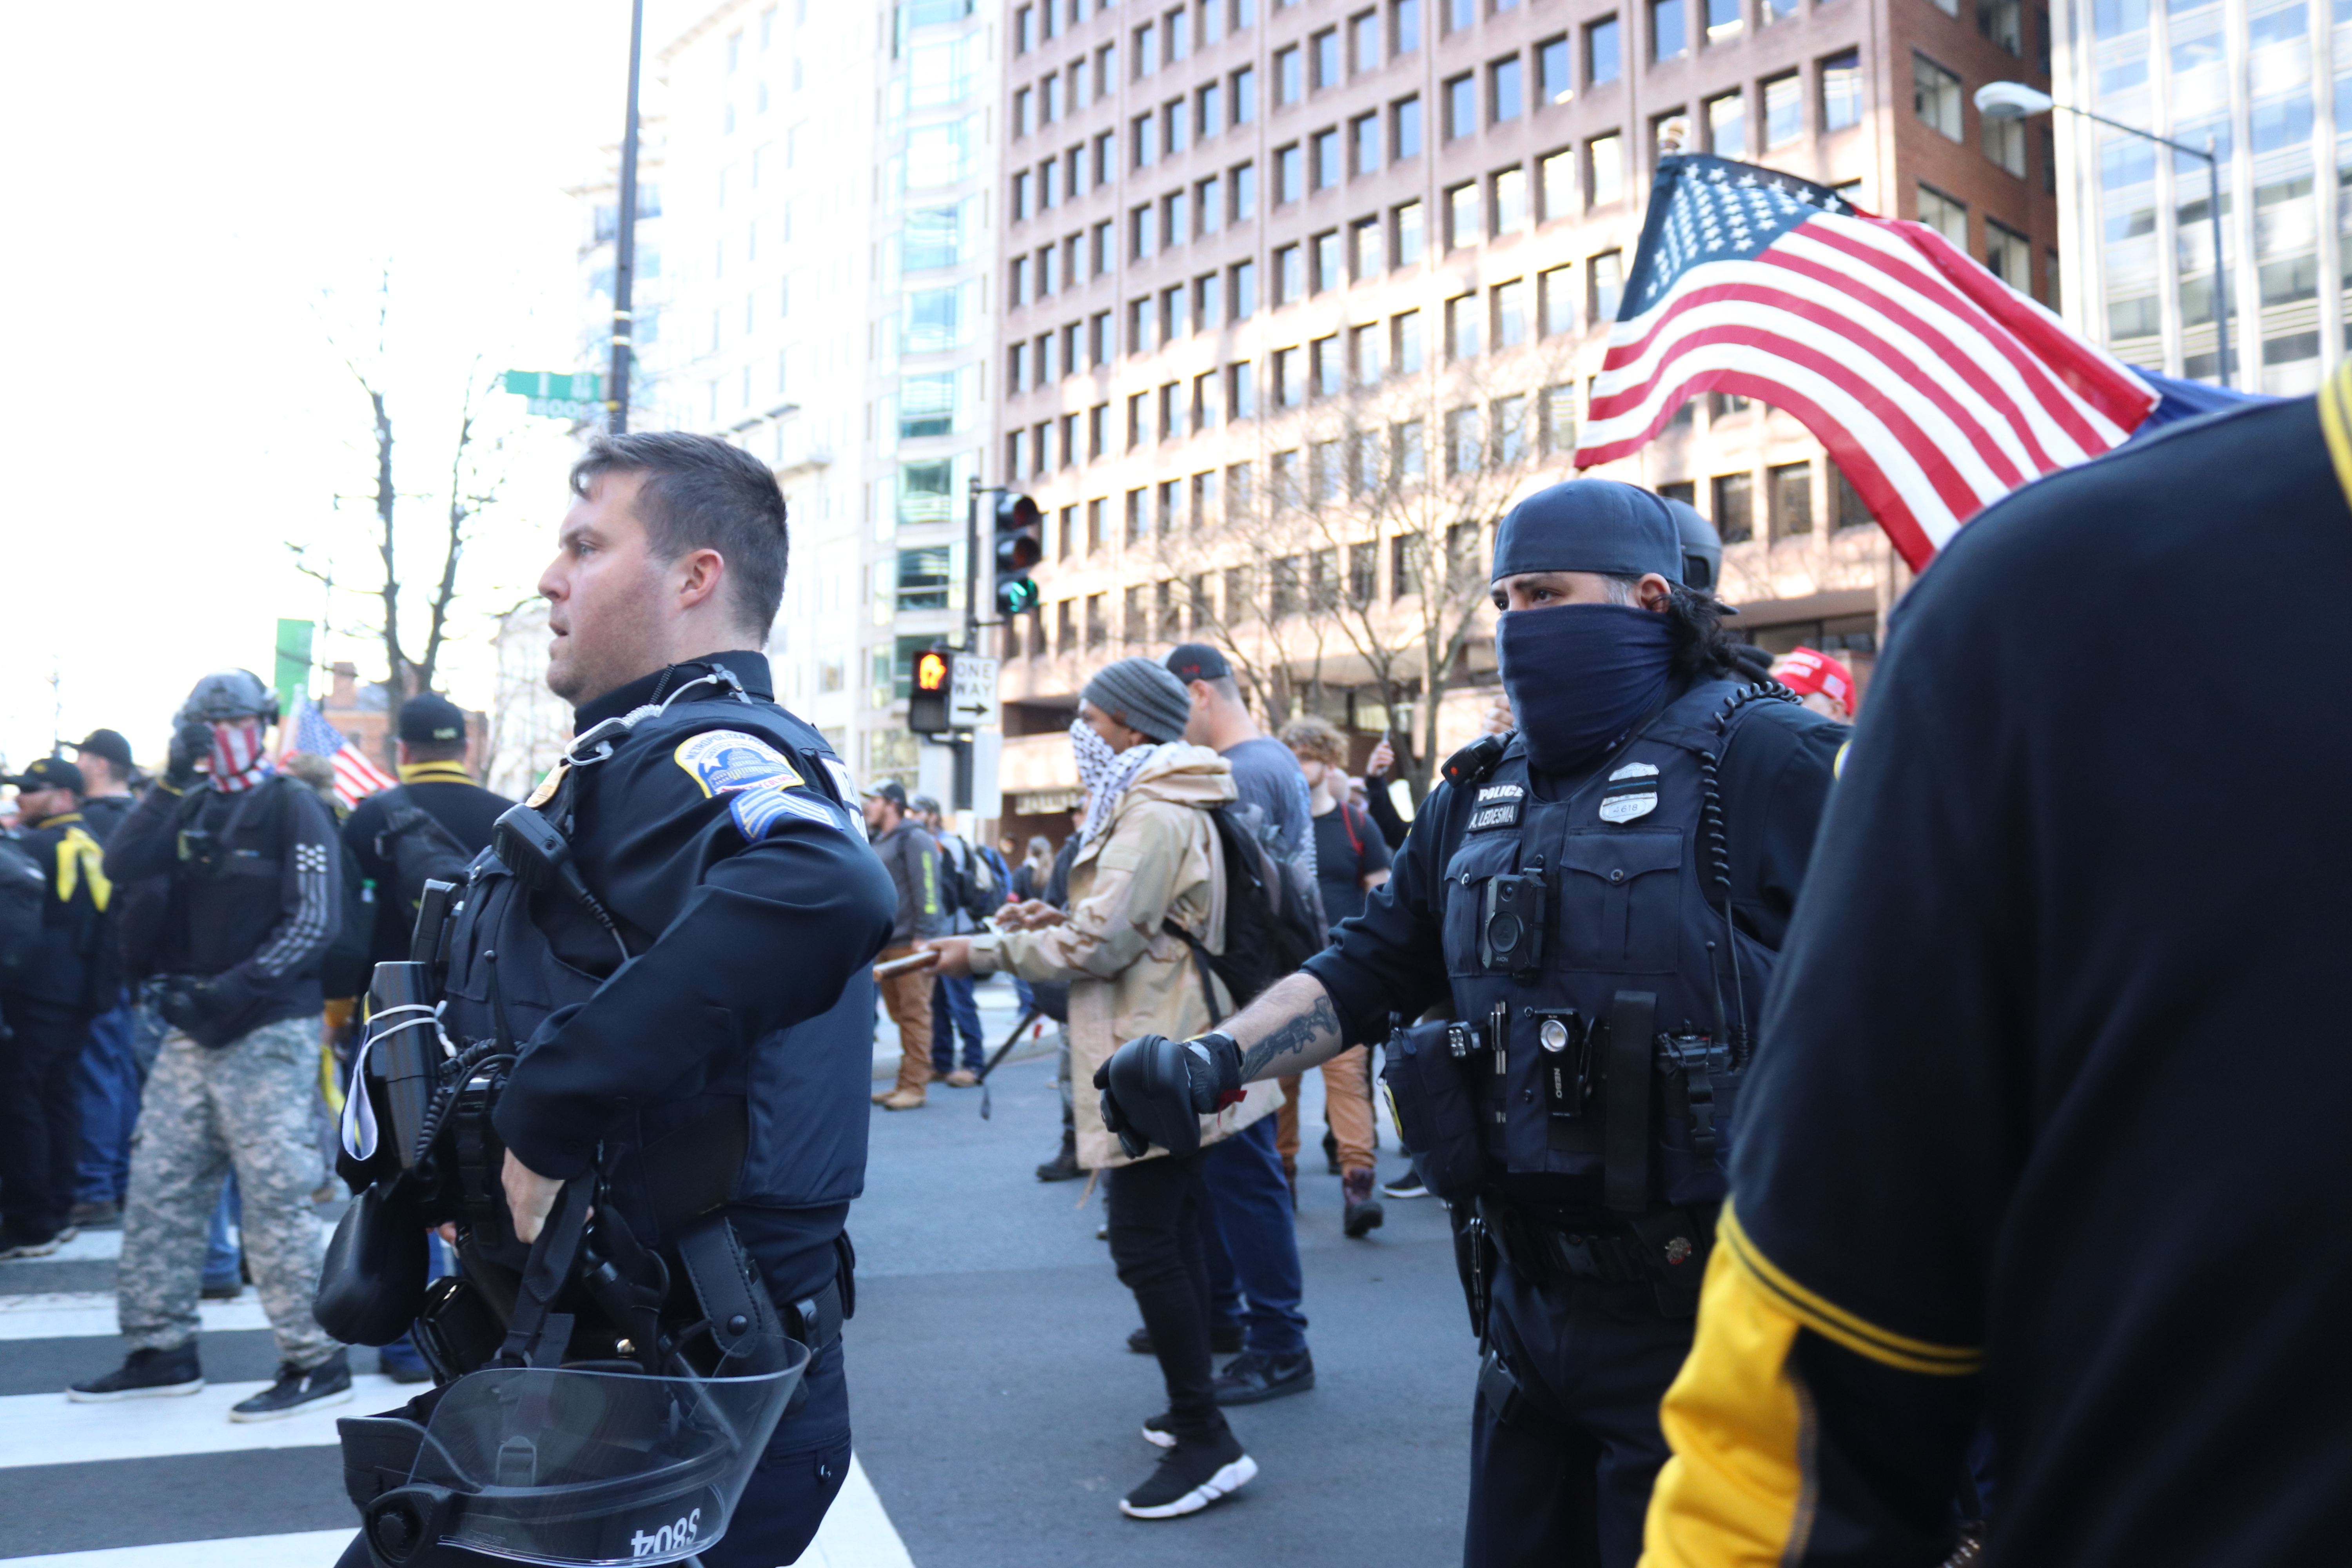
<point>926,707</point>
<point>1020,545</point>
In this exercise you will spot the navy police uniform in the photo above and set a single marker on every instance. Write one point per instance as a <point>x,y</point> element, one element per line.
<point>1601,939</point>
<point>717,998</point>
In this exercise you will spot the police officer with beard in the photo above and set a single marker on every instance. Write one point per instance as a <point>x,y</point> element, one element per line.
<point>1596,901</point>
<point>694,1008</point>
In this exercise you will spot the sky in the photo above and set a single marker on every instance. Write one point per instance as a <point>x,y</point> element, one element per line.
<point>207,203</point>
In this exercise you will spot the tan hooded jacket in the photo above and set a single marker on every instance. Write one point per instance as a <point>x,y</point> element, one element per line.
<point>1157,860</point>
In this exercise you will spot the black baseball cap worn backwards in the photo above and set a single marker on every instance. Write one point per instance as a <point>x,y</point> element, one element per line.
<point>429,717</point>
<point>1590,525</point>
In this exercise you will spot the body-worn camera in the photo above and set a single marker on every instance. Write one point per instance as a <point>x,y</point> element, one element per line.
<point>1511,924</point>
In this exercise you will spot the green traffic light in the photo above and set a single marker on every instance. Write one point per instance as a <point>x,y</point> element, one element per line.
<point>1017,597</point>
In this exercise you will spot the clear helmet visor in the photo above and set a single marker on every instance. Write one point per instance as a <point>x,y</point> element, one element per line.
<point>573,1466</point>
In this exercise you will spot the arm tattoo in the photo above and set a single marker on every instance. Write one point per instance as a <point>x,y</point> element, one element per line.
<point>1295,1037</point>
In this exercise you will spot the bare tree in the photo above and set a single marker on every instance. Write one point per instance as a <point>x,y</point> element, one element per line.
<point>472,483</point>
<point>1372,529</point>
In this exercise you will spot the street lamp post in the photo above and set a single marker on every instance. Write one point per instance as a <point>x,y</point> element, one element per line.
<point>2015,101</point>
<point>625,240</point>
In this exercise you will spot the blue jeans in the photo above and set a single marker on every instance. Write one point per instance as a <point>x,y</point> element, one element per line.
<point>223,1259</point>
<point>954,997</point>
<point>1252,1247</point>
<point>107,1082</point>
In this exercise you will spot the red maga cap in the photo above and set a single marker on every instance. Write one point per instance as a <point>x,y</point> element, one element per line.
<point>1803,669</point>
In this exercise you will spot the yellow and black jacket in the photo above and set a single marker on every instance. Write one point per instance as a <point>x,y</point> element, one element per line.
<point>75,967</point>
<point>2044,1141</point>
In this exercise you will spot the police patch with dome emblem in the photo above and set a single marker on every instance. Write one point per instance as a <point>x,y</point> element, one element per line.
<point>757,779</point>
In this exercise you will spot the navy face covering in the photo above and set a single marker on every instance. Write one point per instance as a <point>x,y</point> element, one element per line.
<point>1579,675</point>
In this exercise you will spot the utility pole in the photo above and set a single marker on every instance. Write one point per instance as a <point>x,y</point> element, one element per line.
<point>625,250</point>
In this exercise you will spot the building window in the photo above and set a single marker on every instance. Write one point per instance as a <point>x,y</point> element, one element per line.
<point>1556,183</point>
<point>1605,274</point>
<point>1209,205</point>
<point>2003,21</point>
<point>1783,114</point>
<point>1208,111</point>
<point>1245,95</point>
<point>1411,238</point>
<point>1792,499</point>
<point>1945,214</point>
<point>1604,59</point>
<point>1364,40</point>
<point>1409,357</point>
<point>1464,452</point>
<point>1290,84</point>
<point>1326,372</point>
<point>1935,96</point>
<point>1552,71</point>
<point>1289,174</point>
<point>1289,378</point>
<point>1462,328</point>
<point>1097,620</point>
<point>1727,125</point>
<point>1735,508</point>
<point>1241,279</point>
<point>1289,275</point>
<point>1405,127</point>
<point>1364,136</point>
<point>1365,345</point>
<point>1325,47</point>
<point>1325,267</point>
<point>1462,225</point>
<point>1605,160</point>
<point>923,578</point>
<point>1364,240</point>
<point>1327,170</point>
<point>1558,415</point>
<point>1405,26</point>
<point>1138,521</point>
<point>1842,91</point>
<point>1556,300</point>
<point>1147,50</point>
<point>2009,256</point>
<point>1510,201</point>
<point>1460,97</point>
<point>1722,20</point>
<point>1510,427</point>
<point>1240,390</point>
<point>2003,141</point>
<point>1510,302</point>
<point>1505,95</point>
<point>1244,178</point>
<point>1669,39</point>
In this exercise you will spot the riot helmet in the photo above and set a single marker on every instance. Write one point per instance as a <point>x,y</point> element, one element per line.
<point>1702,546</point>
<point>228,695</point>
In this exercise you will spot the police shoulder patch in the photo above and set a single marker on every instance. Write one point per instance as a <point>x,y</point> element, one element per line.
<point>756,780</point>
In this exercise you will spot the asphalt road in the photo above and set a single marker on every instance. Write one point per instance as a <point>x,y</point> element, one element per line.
<point>997,1406</point>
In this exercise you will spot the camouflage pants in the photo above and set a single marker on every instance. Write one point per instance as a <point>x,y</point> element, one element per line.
<point>248,1103</point>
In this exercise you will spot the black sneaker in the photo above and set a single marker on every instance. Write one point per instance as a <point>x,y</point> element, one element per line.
<point>1361,1213</point>
<point>1157,1430</point>
<point>145,1374</point>
<point>1191,1476</point>
<point>10,1250</point>
<point>1223,1341</point>
<point>1250,1378</point>
<point>221,1290</point>
<point>1064,1166</point>
<point>299,1389</point>
<point>97,1216</point>
<point>1407,1185</point>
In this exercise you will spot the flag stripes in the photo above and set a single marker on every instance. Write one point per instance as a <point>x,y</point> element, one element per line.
<point>307,731</point>
<point>1937,388</point>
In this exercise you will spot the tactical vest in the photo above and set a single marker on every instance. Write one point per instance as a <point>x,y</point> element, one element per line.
<point>1565,905</point>
<point>800,1092</point>
<point>228,885</point>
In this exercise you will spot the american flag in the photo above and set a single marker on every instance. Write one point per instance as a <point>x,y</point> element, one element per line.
<point>355,776</point>
<point>1937,387</point>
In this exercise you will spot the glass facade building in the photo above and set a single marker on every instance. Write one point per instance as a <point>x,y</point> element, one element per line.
<point>2264,83</point>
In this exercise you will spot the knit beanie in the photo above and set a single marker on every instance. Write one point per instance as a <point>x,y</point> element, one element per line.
<point>1143,696</point>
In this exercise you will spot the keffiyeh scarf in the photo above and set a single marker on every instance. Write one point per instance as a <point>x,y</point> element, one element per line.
<point>1105,773</point>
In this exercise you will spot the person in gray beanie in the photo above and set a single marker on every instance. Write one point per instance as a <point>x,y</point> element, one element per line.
<point>1144,696</point>
<point>1146,869</point>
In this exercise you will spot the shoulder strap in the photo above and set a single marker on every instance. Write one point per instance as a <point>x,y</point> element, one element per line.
<point>1200,966</point>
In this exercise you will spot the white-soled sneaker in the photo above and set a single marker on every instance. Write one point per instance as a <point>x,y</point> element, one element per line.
<point>1191,1476</point>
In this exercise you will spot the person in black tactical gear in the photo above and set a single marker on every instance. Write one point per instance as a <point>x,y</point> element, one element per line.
<point>451,821</point>
<point>254,877</point>
<point>46,1006</point>
<point>1596,900</point>
<point>674,937</point>
<point>107,1084</point>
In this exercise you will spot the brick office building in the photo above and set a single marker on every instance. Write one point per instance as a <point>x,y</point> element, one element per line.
<point>1230,223</point>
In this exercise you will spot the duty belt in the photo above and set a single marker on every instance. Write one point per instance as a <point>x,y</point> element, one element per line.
<point>1544,1251</point>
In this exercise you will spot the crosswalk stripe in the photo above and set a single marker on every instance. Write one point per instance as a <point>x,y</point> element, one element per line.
<point>90,1246</point>
<point>49,1429</point>
<point>80,1314</point>
<point>857,1534</point>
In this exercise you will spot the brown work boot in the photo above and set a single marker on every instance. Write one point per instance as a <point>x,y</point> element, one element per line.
<point>962,1078</point>
<point>1361,1213</point>
<point>902,1099</point>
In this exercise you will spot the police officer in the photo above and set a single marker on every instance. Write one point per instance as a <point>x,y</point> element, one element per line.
<point>46,1006</point>
<point>1577,895</point>
<point>255,900</point>
<point>702,987</point>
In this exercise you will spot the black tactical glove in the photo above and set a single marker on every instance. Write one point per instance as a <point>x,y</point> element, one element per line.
<point>1155,1090</point>
<point>191,742</point>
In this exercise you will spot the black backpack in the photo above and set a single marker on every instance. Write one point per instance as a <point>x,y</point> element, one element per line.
<point>412,842</point>
<point>1274,918</point>
<point>23,896</point>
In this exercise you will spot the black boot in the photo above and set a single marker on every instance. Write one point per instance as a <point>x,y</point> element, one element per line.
<point>1063,1166</point>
